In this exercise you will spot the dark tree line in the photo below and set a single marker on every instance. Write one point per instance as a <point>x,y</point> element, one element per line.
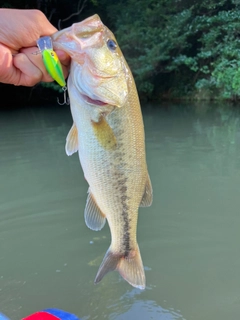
<point>175,48</point>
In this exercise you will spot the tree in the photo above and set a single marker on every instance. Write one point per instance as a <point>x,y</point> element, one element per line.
<point>180,46</point>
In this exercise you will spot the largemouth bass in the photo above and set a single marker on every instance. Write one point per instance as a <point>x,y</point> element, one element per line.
<point>108,134</point>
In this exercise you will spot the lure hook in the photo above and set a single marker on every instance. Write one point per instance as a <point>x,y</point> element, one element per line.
<point>65,99</point>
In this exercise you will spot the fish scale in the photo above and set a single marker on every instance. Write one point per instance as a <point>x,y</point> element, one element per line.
<point>108,134</point>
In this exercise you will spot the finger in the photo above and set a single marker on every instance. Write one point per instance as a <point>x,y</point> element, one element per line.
<point>44,27</point>
<point>63,57</point>
<point>28,73</point>
<point>31,25</point>
<point>36,60</point>
<point>65,61</point>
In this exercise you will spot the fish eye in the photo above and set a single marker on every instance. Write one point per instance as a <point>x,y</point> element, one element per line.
<point>111,45</point>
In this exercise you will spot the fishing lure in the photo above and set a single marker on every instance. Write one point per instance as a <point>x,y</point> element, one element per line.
<point>52,63</point>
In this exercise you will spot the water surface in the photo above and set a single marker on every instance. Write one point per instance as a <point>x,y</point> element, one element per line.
<point>189,238</point>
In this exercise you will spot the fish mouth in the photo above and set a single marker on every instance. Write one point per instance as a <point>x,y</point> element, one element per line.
<point>79,36</point>
<point>95,102</point>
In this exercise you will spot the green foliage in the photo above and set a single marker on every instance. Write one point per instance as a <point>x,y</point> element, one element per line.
<point>220,51</point>
<point>144,30</point>
<point>194,42</point>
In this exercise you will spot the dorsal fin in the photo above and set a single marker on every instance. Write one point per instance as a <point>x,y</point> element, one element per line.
<point>94,217</point>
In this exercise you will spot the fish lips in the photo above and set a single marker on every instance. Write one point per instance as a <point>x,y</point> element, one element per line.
<point>75,39</point>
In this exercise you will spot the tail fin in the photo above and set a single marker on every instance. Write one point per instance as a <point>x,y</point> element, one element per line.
<point>130,267</point>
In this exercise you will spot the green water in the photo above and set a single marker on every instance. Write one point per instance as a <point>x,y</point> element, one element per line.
<point>189,238</point>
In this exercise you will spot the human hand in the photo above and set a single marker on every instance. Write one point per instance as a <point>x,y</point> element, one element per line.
<point>19,31</point>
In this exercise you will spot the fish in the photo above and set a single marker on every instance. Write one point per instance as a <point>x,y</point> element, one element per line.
<point>108,134</point>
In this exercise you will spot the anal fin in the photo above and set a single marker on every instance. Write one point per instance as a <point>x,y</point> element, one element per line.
<point>148,194</point>
<point>94,217</point>
<point>72,141</point>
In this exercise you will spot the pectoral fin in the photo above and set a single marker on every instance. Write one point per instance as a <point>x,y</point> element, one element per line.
<point>94,217</point>
<point>104,134</point>
<point>72,141</point>
<point>148,194</point>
